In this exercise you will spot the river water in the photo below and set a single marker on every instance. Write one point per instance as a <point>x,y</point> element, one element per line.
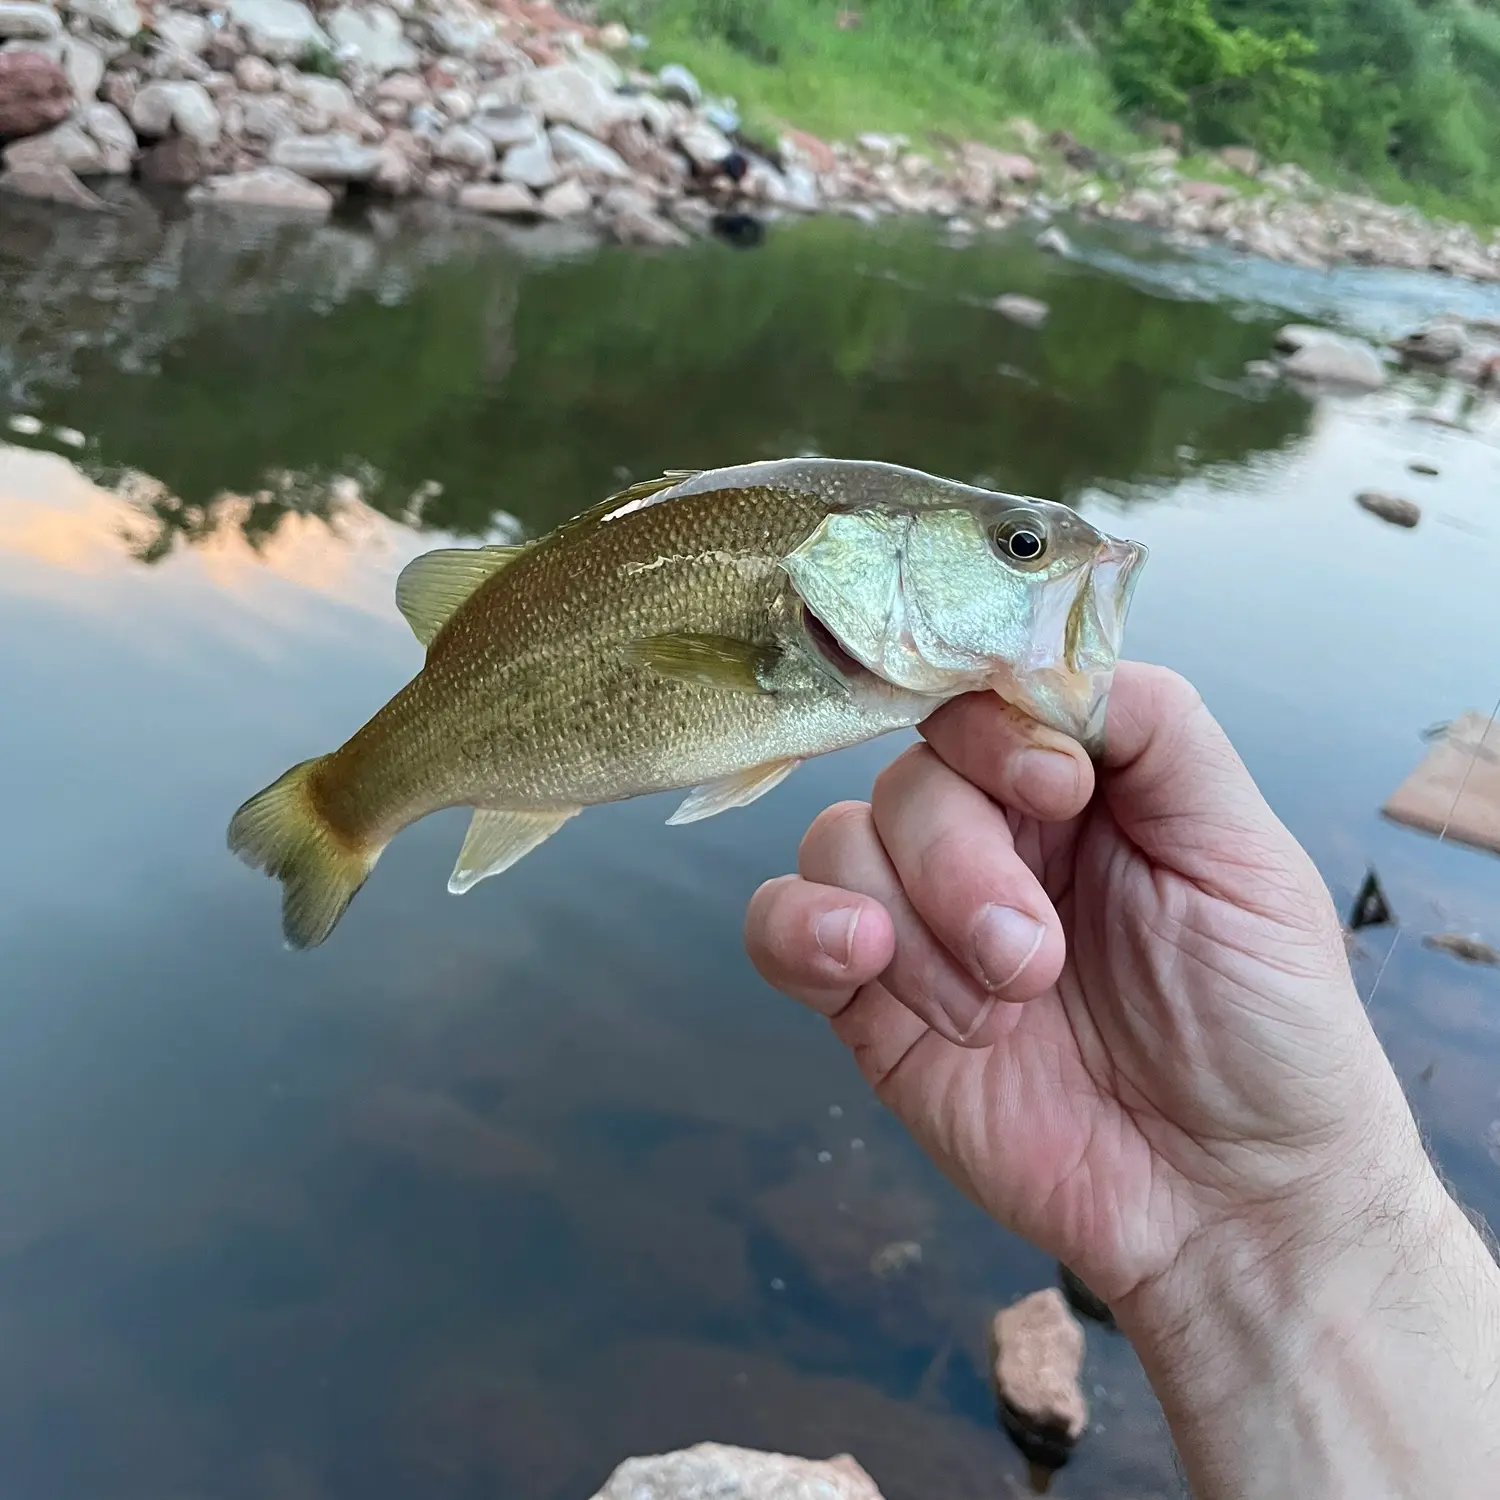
<point>487,1193</point>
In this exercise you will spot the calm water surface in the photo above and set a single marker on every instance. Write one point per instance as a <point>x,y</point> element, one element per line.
<point>488,1193</point>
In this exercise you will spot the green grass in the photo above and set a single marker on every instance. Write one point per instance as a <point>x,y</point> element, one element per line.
<point>905,69</point>
<point>936,70</point>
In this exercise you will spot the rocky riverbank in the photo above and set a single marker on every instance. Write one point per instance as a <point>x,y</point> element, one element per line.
<point>517,110</point>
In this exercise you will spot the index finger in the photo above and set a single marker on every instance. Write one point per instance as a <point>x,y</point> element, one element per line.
<point>1006,753</point>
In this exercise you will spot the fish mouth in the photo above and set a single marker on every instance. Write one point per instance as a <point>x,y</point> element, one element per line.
<point>1069,690</point>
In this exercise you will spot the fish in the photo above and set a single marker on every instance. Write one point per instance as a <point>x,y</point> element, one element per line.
<point>705,631</point>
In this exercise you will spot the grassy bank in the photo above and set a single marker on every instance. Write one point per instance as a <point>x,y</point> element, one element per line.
<point>1394,97</point>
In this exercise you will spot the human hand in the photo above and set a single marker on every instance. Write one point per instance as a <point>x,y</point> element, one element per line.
<point>1121,1023</point>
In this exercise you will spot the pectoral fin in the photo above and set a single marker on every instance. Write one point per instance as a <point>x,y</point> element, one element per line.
<point>738,790</point>
<point>496,840</point>
<point>717,661</point>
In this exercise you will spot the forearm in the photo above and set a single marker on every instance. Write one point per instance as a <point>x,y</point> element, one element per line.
<point>1360,1363</point>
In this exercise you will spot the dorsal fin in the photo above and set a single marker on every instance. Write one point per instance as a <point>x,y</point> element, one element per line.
<point>431,587</point>
<point>633,497</point>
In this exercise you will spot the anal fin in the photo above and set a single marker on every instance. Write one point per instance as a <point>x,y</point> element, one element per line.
<point>738,790</point>
<point>497,839</point>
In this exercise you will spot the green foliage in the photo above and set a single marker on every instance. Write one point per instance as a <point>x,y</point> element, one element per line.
<point>1398,96</point>
<point>1175,59</point>
<point>316,58</point>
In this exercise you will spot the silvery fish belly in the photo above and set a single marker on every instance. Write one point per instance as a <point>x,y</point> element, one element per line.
<point>704,632</point>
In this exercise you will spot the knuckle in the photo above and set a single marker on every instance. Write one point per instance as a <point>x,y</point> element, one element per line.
<point>831,828</point>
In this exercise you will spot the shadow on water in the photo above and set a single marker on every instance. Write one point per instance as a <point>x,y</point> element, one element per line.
<point>486,1194</point>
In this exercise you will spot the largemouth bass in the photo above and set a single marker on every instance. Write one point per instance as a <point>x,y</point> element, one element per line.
<point>705,630</point>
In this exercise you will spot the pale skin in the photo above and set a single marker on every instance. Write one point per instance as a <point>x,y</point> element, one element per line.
<point>1115,1006</point>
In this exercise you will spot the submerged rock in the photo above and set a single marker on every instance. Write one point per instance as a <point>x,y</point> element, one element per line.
<point>67,146</point>
<point>35,94</point>
<point>266,187</point>
<point>507,199</point>
<point>1321,357</point>
<point>1392,508</point>
<point>1038,1349</point>
<point>712,1471</point>
<point>51,184</point>
<point>1054,241</point>
<point>1469,949</point>
<point>1030,312</point>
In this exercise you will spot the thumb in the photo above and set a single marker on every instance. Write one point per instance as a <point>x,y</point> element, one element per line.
<point>1179,791</point>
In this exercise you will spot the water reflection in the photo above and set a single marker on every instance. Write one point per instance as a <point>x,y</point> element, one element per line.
<point>493,1191</point>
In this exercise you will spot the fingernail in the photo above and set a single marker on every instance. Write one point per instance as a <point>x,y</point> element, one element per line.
<point>1005,941</point>
<point>835,933</point>
<point>1047,776</point>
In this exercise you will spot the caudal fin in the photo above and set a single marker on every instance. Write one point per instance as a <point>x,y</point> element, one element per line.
<point>282,832</point>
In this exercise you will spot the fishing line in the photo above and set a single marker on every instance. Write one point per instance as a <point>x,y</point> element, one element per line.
<point>1442,834</point>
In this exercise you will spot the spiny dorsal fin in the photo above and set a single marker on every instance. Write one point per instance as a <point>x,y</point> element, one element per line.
<point>431,587</point>
<point>716,661</point>
<point>634,496</point>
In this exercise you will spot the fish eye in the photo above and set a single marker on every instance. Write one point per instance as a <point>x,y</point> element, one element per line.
<point>1022,538</point>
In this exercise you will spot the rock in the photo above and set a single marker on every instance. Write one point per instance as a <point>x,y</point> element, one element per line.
<point>712,1471</point>
<point>68,146</point>
<point>508,199</point>
<point>322,103</point>
<point>441,184</point>
<point>266,187</point>
<point>1324,358</point>
<point>395,172</point>
<point>334,157</point>
<point>530,164</point>
<point>266,117</point>
<point>504,128</point>
<point>254,75</point>
<point>1002,166</point>
<point>675,82</point>
<point>457,104</point>
<point>572,148</point>
<point>28,21</point>
<point>282,30</point>
<point>460,33</point>
<point>117,143</point>
<point>185,106</point>
<point>466,148</point>
<point>566,201</point>
<point>1469,949</point>
<point>1206,192</point>
<point>892,1259</point>
<point>1390,508</point>
<point>1242,159</point>
<point>375,37</point>
<point>178,161</point>
<point>35,94</point>
<point>1027,311</point>
<point>633,219</point>
<point>118,18</point>
<point>119,89</point>
<point>704,146</point>
<point>83,62</point>
<point>179,32</point>
<point>568,94</point>
<point>50,185</point>
<point>1039,1346</point>
<point>1054,241</point>
<point>1436,344</point>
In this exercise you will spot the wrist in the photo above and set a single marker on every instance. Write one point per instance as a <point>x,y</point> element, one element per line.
<point>1352,1349</point>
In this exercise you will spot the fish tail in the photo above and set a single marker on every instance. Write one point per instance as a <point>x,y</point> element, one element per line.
<point>282,831</point>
